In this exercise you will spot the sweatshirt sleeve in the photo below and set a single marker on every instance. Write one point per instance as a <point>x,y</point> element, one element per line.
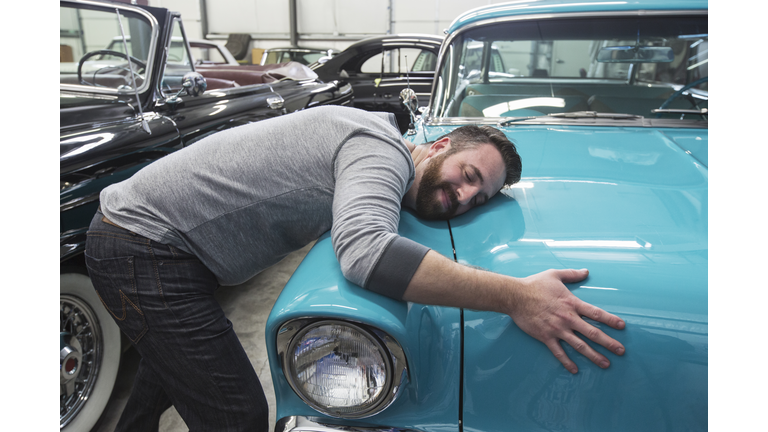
<point>372,174</point>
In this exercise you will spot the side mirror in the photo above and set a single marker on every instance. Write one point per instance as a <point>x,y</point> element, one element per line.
<point>410,101</point>
<point>193,84</point>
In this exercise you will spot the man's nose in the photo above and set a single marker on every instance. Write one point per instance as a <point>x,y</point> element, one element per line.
<point>465,193</point>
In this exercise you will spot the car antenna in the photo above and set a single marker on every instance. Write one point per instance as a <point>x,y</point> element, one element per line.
<point>407,73</point>
<point>144,124</point>
<point>407,96</point>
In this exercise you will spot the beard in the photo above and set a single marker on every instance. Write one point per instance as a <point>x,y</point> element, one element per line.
<point>428,204</point>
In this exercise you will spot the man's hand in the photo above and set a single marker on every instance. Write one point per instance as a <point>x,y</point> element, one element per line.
<point>549,312</point>
<point>540,305</point>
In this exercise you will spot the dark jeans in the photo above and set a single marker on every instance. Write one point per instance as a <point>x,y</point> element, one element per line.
<point>162,299</point>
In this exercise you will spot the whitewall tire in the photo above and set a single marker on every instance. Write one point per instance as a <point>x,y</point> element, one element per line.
<point>90,354</point>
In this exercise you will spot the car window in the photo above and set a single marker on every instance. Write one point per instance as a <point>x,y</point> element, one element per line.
<point>399,60</point>
<point>608,65</point>
<point>283,56</point>
<point>178,61</point>
<point>91,41</point>
<point>207,54</point>
<point>276,57</point>
<point>310,57</point>
<point>425,62</point>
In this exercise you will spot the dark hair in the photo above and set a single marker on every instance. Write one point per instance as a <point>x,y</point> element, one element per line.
<point>470,136</point>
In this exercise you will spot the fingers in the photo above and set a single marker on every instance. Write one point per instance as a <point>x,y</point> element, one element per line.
<point>599,315</point>
<point>587,351</point>
<point>560,354</point>
<point>556,315</point>
<point>583,348</point>
<point>592,333</point>
<point>572,275</point>
<point>596,335</point>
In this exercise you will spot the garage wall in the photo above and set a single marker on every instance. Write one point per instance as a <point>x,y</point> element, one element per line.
<point>321,23</point>
<point>190,14</point>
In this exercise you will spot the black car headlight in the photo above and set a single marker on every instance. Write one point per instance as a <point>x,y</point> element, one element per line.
<point>340,368</point>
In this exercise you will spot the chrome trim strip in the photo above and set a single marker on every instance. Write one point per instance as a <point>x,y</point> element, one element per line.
<point>78,202</point>
<point>397,368</point>
<point>110,7</point>
<point>450,37</point>
<point>640,123</point>
<point>309,424</point>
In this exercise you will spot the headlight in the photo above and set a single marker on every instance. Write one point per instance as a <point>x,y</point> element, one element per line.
<point>341,369</point>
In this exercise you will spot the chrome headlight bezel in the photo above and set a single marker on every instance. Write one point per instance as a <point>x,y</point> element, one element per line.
<point>392,353</point>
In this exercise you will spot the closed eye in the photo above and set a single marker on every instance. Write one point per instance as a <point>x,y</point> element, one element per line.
<point>471,169</point>
<point>477,173</point>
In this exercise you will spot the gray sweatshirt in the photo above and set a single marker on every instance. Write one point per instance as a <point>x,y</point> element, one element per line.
<point>244,198</point>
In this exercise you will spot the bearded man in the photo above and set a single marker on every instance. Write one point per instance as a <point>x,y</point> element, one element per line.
<point>229,206</point>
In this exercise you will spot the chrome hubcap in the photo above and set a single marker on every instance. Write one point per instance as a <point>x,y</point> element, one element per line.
<point>80,355</point>
<point>71,357</point>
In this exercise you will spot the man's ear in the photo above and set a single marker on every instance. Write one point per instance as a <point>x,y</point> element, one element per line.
<point>439,146</point>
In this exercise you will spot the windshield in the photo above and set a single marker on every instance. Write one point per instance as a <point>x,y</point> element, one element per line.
<point>304,57</point>
<point>93,50</point>
<point>649,66</point>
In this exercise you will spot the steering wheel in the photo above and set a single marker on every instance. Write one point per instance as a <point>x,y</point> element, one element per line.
<point>103,52</point>
<point>679,93</point>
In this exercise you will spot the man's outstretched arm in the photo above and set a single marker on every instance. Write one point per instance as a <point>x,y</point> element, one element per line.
<point>541,305</point>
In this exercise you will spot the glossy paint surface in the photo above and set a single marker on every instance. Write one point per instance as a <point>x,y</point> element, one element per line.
<point>631,206</point>
<point>102,140</point>
<point>516,8</point>
<point>430,336</point>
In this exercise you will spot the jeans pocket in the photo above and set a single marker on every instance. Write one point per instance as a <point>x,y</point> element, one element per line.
<point>113,279</point>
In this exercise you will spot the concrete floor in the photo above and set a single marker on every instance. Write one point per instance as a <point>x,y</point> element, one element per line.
<point>247,306</point>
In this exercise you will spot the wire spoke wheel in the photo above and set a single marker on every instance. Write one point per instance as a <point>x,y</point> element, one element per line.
<point>80,356</point>
<point>89,354</point>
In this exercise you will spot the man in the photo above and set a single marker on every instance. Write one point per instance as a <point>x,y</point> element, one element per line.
<point>231,205</point>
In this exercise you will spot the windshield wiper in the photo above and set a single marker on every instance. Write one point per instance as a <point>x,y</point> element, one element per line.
<point>595,114</point>
<point>576,115</point>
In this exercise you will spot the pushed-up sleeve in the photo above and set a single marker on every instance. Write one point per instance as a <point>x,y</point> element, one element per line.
<point>372,174</point>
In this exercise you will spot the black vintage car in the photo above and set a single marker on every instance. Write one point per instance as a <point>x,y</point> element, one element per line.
<point>378,68</point>
<point>121,109</point>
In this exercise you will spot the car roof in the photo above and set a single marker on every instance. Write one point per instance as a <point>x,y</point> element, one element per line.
<point>400,37</point>
<point>503,10</point>
<point>300,49</point>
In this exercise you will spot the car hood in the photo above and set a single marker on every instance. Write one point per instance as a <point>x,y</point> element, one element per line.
<point>631,206</point>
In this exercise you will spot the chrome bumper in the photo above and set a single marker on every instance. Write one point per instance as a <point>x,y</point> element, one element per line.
<point>304,424</point>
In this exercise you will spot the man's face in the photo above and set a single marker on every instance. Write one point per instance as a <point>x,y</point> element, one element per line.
<point>455,182</point>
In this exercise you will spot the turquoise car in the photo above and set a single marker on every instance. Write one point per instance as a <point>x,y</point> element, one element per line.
<point>608,105</point>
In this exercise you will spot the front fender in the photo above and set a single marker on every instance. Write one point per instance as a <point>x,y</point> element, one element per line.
<point>430,336</point>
